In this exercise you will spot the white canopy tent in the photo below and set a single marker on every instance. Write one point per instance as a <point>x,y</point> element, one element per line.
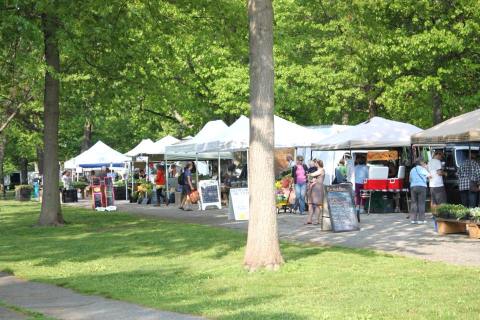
<point>160,146</point>
<point>97,156</point>
<point>372,134</point>
<point>144,147</point>
<point>464,128</point>
<point>237,136</point>
<point>189,149</point>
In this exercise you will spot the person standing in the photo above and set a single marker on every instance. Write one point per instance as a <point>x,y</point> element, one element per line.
<point>419,176</point>
<point>361,173</point>
<point>468,181</point>
<point>299,174</point>
<point>160,184</point>
<point>316,192</point>
<point>187,187</point>
<point>290,161</point>
<point>340,172</point>
<point>437,188</point>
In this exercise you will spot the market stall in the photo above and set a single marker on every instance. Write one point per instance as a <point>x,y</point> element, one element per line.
<point>385,144</point>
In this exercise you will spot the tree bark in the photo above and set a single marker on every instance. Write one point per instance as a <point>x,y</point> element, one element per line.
<point>51,213</point>
<point>372,108</point>
<point>3,143</point>
<point>40,160</point>
<point>23,170</point>
<point>87,136</point>
<point>437,107</point>
<point>263,248</point>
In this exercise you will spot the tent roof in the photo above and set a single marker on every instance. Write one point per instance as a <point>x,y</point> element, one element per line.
<point>237,136</point>
<point>374,133</point>
<point>464,128</point>
<point>159,146</point>
<point>97,156</point>
<point>144,147</point>
<point>209,132</point>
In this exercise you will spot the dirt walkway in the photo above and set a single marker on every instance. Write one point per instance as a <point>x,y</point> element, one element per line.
<point>391,233</point>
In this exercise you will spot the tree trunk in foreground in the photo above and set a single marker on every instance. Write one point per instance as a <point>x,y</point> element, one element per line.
<point>51,213</point>
<point>263,249</point>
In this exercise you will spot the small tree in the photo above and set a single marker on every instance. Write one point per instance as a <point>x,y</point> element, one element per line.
<point>263,249</point>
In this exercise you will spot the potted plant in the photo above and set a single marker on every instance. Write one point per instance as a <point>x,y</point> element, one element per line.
<point>473,226</point>
<point>23,192</point>
<point>80,186</point>
<point>451,218</point>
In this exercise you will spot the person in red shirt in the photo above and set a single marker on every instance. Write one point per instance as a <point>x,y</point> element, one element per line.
<point>160,183</point>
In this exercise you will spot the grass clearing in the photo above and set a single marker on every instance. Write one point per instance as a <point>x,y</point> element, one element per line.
<point>198,269</point>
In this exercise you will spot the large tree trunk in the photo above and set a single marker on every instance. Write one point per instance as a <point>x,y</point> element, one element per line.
<point>87,136</point>
<point>437,107</point>
<point>263,249</point>
<point>51,213</point>
<point>23,171</point>
<point>3,143</point>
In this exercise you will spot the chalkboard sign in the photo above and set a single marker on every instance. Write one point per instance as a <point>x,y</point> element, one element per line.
<point>109,195</point>
<point>209,194</point>
<point>341,207</point>
<point>238,208</point>
<point>97,196</point>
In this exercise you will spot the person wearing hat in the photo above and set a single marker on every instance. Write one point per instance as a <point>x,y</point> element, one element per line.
<point>419,176</point>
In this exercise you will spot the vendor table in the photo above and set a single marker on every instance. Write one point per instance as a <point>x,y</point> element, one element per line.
<point>368,194</point>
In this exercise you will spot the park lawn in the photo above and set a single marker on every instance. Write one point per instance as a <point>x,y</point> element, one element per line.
<point>198,269</point>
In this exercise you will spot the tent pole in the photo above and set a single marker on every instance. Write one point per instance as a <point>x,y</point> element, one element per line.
<point>166,179</point>
<point>196,169</point>
<point>125,166</point>
<point>219,171</point>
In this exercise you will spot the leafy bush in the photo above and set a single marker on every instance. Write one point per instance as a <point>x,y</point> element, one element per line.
<point>80,185</point>
<point>452,211</point>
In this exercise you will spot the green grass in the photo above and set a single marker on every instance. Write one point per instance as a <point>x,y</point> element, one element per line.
<point>198,269</point>
<point>31,315</point>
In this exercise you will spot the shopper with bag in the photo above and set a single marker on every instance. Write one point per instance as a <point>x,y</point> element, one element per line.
<point>187,187</point>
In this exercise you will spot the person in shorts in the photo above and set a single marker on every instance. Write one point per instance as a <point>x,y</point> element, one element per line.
<point>437,188</point>
<point>187,187</point>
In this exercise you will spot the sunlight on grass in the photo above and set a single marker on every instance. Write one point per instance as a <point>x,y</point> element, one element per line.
<point>198,269</point>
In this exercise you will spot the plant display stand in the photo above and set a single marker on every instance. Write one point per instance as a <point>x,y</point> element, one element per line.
<point>473,230</point>
<point>447,226</point>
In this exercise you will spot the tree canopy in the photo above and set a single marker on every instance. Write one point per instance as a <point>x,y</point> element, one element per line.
<point>147,68</point>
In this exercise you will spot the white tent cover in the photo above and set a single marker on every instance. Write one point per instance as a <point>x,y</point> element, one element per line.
<point>159,146</point>
<point>188,149</point>
<point>144,147</point>
<point>237,136</point>
<point>464,128</point>
<point>97,156</point>
<point>374,133</point>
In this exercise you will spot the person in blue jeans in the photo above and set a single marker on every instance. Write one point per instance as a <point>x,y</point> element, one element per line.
<point>299,174</point>
<point>419,176</point>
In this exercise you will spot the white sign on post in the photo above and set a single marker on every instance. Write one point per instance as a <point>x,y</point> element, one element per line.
<point>209,194</point>
<point>239,205</point>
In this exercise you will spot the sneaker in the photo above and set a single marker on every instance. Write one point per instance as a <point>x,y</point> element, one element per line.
<point>413,222</point>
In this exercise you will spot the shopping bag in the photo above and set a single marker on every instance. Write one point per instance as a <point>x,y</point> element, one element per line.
<point>194,196</point>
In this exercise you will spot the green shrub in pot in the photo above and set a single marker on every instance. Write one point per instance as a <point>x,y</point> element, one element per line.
<point>80,185</point>
<point>452,211</point>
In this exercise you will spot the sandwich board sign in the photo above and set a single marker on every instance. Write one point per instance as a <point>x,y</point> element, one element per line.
<point>238,207</point>
<point>341,207</point>
<point>209,194</point>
